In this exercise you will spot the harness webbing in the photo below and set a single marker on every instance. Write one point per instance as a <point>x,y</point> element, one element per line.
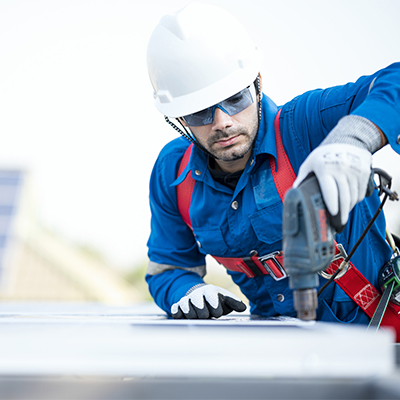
<point>184,190</point>
<point>284,176</point>
<point>354,284</point>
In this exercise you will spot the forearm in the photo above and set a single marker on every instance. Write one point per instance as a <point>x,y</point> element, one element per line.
<point>170,286</point>
<point>357,131</point>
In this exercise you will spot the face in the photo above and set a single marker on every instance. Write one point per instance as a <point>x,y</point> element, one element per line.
<point>229,138</point>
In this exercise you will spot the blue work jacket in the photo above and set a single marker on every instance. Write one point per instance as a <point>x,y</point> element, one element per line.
<point>177,255</point>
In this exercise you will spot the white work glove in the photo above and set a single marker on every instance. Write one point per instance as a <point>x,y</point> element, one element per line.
<point>206,301</point>
<point>343,172</point>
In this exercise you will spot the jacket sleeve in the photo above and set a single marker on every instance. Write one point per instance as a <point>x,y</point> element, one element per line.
<point>311,116</point>
<point>382,104</point>
<point>175,262</point>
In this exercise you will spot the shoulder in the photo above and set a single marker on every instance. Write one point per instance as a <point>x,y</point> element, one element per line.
<point>166,167</point>
<point>171,154</point>
<point>174,148</point>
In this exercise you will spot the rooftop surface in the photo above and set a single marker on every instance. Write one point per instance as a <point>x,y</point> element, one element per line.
<point>92,351</point>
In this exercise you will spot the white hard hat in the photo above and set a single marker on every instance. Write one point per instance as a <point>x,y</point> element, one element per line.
<point>198,57</point>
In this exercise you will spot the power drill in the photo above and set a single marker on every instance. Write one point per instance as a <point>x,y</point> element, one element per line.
<point>308,243</point>
<point>308,240</point>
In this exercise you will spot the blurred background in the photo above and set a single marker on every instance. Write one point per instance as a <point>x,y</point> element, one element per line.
<point>79,131</point>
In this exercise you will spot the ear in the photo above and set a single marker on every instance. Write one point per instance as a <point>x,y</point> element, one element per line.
<point>260,77</point>
<point>261,87</point>
<point>182,121</point>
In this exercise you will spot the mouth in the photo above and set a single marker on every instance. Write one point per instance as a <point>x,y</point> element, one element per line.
<point>227,142</point>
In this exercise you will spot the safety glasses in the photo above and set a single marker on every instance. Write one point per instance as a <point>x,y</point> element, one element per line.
<point>235,104</point>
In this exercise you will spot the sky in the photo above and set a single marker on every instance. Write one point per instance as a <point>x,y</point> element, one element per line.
<point>76,105</point>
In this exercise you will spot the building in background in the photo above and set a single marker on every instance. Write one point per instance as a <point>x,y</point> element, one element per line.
<point>39,265</point>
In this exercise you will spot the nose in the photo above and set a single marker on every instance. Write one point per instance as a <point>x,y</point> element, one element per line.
<point>221,120</point>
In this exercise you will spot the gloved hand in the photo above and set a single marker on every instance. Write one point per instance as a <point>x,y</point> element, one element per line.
<point>342,171</point>
<point>206,301</point>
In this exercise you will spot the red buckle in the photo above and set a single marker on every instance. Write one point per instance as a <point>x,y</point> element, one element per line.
<point>273,264</point>
<point>253,266</point>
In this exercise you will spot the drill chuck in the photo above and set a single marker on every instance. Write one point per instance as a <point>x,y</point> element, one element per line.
<point>306,303</point>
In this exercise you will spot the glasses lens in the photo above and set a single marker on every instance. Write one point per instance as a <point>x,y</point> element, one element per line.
<point>200,118</point>
<point>235,104</point>
<point>238,102</point>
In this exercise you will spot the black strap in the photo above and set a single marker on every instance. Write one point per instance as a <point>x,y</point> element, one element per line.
<point>252,266</point>
<point>380,310</point>
<point>396,240</point>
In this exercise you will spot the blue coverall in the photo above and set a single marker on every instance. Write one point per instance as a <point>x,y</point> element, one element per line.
<point>177,256</point>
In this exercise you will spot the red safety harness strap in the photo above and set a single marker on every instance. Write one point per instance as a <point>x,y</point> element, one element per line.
<point>184,190</point>
<point>284,176</point>
<point>271,264</point>
<point>366,296</point>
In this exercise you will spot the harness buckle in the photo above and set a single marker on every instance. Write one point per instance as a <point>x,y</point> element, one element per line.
<point>343,266</point>
<point>273,265</point>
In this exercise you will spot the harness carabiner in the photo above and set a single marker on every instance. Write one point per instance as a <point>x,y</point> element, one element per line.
<point>343,267</point>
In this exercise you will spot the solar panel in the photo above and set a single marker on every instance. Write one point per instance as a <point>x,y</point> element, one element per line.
<point>11,183</point>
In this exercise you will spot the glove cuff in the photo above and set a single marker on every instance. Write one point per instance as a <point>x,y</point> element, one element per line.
<point>357,131</point>
<point>192,289</point>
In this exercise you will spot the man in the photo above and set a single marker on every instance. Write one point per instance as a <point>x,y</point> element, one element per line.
<point>205,72</point>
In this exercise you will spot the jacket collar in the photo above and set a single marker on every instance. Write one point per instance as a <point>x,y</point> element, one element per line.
<point>265,142</point>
